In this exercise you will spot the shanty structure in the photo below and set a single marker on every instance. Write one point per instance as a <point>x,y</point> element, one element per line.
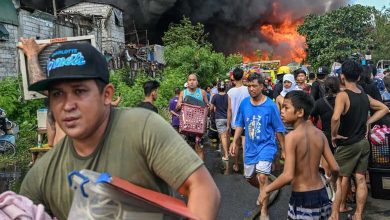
<point>104,21</point>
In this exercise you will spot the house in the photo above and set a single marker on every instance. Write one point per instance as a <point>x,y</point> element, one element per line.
<point>87,18</point>
<point>112,31</point>
<point>9,23</point>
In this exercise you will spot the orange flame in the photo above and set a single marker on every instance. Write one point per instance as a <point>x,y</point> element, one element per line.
<point>287,43</point>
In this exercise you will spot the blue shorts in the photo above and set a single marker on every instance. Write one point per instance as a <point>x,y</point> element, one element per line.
<point>309,205</point>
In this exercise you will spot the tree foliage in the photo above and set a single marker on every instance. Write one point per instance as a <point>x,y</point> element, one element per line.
<point>22,112</point>
<point>337,34</point>
<point>188,51</point>
<point>381,36</point>
<point>185,34</point>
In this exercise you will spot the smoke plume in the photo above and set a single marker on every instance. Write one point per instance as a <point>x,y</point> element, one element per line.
<point>233,25</point>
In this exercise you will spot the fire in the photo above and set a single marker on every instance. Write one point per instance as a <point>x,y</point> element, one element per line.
<point>287,44</point>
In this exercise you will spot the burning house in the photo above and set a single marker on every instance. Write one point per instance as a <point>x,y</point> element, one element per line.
<point>104,21</point>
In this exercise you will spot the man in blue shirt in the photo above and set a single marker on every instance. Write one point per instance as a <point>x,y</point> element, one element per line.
<point>260,117</point>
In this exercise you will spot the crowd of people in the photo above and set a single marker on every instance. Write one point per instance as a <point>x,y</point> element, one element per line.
<point>321,122</point>
<point>308,124</point>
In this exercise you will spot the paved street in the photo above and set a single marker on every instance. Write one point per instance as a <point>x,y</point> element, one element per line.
<point>239,198</point>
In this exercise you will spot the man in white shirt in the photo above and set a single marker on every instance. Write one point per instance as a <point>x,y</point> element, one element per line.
<point>236,95</point>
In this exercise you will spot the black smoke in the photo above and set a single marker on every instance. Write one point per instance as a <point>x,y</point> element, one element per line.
<point>232,24</point>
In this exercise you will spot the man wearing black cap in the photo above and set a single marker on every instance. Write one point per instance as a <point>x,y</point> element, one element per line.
<point>318,88</point>
<point>98,138</point>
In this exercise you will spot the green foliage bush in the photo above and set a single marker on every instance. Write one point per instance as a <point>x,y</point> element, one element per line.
<point>22,112</point>
<point>131,95</point>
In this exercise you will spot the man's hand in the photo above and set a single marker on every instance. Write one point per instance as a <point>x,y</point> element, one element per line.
<point>30,47</point>
<point>368,129</point>
<point>117,100</point>
<point>233,148</point>
<point>338,137</point>
<point>263,197</point>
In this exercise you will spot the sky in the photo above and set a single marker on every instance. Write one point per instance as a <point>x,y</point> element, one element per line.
<point>376,3</point>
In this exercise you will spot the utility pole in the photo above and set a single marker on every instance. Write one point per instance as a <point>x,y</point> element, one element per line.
<point>136,32</point>
<point>54,8</point>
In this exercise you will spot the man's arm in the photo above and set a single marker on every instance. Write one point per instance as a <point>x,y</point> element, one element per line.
<point>212,105</point>
<point>288,170</point>
<point>236,138</point>
<point>327,153</point>
<point>170,158</point>
<point>280,137</point>
<point>174,113</point>
<point>179,101</point>
<point>229,112</point>
<point>279,129</point>
<point>279,102</point>
<point>202,193</point>
<point>31,49</point>
<point>338,110</point>
<point>381,110</point>
<point>204,94</point>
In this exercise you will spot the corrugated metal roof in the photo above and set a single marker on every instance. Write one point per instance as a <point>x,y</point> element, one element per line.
<point>8,13</point>
<point>100,2</point>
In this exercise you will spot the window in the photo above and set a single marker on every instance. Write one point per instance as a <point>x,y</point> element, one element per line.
<point>4,34</point>
<point>118,21</point>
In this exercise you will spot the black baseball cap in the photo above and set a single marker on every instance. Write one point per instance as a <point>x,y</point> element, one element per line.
<point>323,70</point>
<point>73,61</point>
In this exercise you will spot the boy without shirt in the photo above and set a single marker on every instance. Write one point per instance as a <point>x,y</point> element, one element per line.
<point>304,147</point>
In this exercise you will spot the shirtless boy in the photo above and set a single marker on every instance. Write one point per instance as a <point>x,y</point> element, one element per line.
<point>304,147</point>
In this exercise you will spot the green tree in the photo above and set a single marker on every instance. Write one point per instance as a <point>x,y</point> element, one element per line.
<point>187,51</point>
<point>337,34</point>
<point>185,34</point>
<point>381,36</point>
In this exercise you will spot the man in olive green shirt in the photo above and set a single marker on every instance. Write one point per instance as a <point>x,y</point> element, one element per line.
<point>133,144</point>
